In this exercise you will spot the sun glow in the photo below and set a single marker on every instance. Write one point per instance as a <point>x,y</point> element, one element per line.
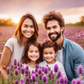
<point>15,20</point>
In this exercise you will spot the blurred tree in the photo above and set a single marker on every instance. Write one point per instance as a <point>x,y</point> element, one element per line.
<point>6,22</point>
<point>82,19</point>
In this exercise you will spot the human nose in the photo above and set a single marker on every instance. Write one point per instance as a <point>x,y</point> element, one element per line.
<point>28,29</point>
<point>48,55</point>
<point>52,30</point>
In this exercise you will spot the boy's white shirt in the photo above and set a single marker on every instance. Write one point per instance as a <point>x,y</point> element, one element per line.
<point>61,68</point>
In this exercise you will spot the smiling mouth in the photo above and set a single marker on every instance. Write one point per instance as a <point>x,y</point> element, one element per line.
<point>34,57</point>
<point>53,35</point>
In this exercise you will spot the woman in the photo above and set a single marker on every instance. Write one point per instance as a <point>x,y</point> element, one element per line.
<point>26,31</point>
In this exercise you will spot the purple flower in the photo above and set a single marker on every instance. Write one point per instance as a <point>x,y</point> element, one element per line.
<point>33,71</point>
<point>12,66</point>
<point>58,74</point>
<point>55,68</point>
<point>80,69</point>
<point>51,72</point>
<point>16,72</point>
<point>36,74</point>
<point>42,68</point>
<point>18,63</point>
<point>78,81</point>
<point>44,78</point>
<point>36,82</point>
<point>0,53</point>
<point>49,68</point>
<point>26,72</point>
<point>65,80</point>
<point>15,66</point>
<point>27,68</point>
<point>49,75</point>
<point>40,76</point>
<point>22,70</point>
<point>42,73</point>
<point>22,81</point>
<point>15,62</point>
<point>73,81</point>
<point>61,80</point>
<point>8,70</point>
<point>39,71</point>
<point>56,83</point>
<point>33,77</point>
<point>45,69</point>
<point>37,65</point>
<point>36,70</point>
<point>53,76</point>
<point>16,81</point>
<point>27,79</point>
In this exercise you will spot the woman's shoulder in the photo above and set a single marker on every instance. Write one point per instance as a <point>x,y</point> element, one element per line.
<point>12,39</point>
<point>11,42</point>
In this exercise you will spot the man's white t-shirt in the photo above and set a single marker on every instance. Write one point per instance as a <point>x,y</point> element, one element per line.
<point>59,56</point>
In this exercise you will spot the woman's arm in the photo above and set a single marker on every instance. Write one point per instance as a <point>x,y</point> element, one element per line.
<point>5,58</point>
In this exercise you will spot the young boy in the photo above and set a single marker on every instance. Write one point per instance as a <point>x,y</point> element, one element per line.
<point>49,50</point>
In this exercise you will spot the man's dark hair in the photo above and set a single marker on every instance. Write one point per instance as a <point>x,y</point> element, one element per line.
<point>52,15</point>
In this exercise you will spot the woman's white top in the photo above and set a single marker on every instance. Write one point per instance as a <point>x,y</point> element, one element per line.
<point>16,49</point>
<point>60,66</point>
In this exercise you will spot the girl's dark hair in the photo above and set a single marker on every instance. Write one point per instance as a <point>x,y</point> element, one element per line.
<point>49,44</point>
<point>18,34</point>
<point>25,58</point>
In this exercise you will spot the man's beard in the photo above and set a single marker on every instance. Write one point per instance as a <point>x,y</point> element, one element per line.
<point>54,38</point>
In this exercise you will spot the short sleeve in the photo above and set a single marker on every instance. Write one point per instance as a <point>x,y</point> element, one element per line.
<point>9,44</point>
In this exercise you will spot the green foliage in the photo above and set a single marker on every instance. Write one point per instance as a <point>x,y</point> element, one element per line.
<point>6,22</point>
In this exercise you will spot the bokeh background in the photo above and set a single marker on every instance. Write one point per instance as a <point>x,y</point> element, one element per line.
<point>72,11</point>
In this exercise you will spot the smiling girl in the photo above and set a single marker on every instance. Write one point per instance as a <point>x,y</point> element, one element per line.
<point>32,55</point>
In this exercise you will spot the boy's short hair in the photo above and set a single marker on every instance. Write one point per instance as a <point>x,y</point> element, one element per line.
<point>49,44</point>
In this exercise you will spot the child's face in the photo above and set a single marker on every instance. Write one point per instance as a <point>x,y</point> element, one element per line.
<point>33,53</point>
<point>49,55</point>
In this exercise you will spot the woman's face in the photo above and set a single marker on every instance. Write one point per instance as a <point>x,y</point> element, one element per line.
<point>27,28</point>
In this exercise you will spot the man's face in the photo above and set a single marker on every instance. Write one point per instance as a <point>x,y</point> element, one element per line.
<point>53,29</point>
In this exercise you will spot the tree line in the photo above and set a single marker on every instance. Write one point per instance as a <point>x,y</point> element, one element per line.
<point>6,22</point>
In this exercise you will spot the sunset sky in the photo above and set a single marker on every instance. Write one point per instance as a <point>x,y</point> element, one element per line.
<point>71,10</point>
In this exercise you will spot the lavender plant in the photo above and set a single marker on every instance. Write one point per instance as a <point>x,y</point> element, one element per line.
<point>18,74</point>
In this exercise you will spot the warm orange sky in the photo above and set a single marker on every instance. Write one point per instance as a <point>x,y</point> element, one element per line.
<point>71,10</point>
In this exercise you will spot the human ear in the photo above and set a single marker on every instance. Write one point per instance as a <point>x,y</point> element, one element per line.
<point>55,53</point>
<point>62,29</point>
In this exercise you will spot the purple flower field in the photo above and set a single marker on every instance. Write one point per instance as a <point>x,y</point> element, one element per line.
<point>73,33</point>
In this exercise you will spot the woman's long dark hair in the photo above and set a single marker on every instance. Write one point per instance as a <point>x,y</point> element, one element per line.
<point>18,34</point>
<point>25,58</point>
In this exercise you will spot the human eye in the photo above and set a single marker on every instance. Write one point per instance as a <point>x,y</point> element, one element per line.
<point>54,26</point>
<point>50,52</point>
<point>25,25</point>
<point>45,53</point>
<point>31,26</point>
<point>31,51</point>
<point>36,51</point>
<point>48,28</point>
